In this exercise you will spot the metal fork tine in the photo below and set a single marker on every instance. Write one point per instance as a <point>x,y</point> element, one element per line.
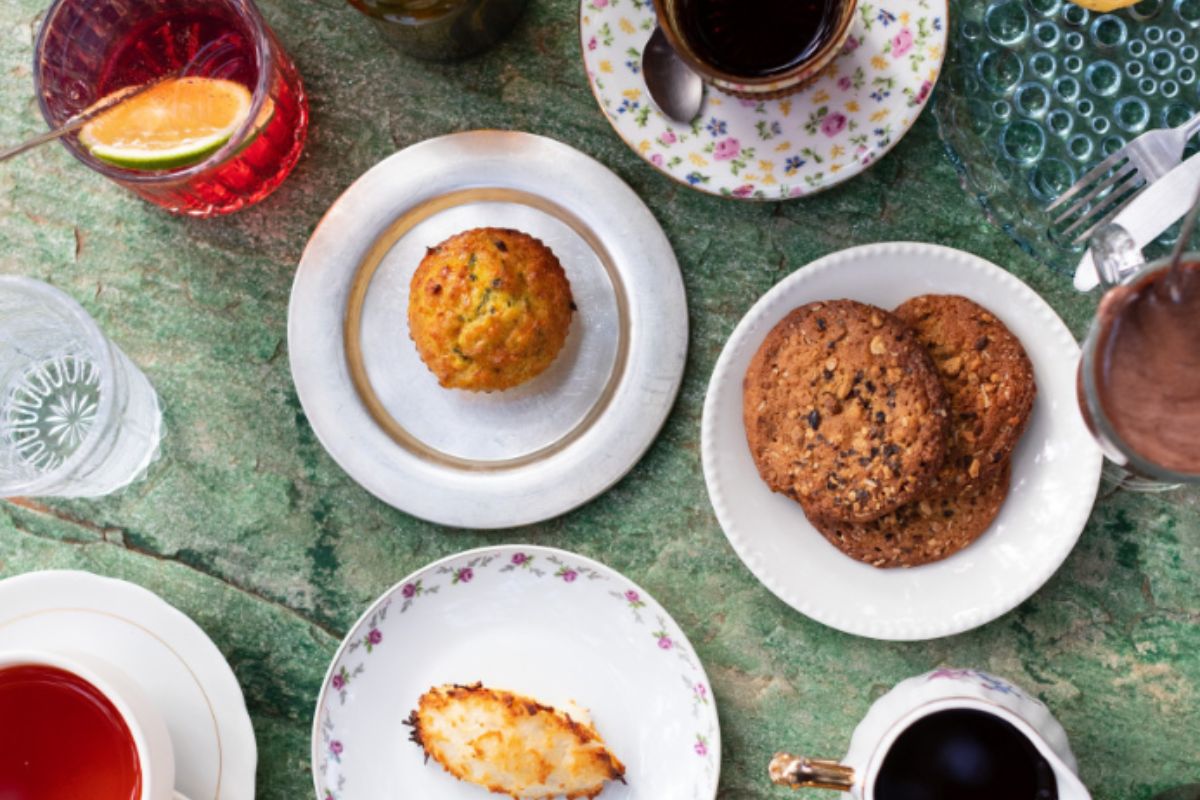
<point>1110,216</point>
<point>1114,202</point>
<point>1094,174</point>
<point>1080,205</point>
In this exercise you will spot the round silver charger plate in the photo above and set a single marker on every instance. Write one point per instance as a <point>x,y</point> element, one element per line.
<point>507,458</point>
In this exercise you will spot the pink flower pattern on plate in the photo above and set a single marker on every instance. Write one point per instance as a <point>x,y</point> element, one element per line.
<point>727,149</point>
<point>833,124</point>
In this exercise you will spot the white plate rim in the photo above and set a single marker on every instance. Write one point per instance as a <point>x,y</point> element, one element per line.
<point>589,465</point>
<point>742,542</point>
<point>220,687</point>
<point>353,633</point>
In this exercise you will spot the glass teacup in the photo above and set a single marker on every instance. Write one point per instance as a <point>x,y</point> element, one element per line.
<point>1136,389</point>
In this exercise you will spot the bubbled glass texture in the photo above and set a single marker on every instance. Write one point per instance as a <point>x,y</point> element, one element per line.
<point>1036,92</point>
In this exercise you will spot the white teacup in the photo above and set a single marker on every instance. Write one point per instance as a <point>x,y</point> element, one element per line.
<point>919,697</point>
<point>152,741</point>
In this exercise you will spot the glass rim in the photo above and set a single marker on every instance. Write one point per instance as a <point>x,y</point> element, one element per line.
<point>1102,426</point>
<point>776,80</point>
<point>247,11</point>
<point>102,348</point>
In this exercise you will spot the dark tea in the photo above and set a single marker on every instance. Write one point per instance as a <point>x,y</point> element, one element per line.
<point>62,739</point>
<point>757,39</point>
<point>964,754</point>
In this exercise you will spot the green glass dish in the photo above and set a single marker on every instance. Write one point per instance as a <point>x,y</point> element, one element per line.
<point>1036,92</point>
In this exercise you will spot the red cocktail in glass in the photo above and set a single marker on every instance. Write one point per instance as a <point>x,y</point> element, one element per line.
<point>88,49</point>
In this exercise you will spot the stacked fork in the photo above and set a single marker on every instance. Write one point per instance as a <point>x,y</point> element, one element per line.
<point>1109,187</point>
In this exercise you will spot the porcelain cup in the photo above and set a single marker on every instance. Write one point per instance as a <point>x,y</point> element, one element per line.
<point>915,698</point>
<point>156,756</point>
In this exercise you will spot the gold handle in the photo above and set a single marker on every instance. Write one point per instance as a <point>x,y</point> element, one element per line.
<point>799,772</point>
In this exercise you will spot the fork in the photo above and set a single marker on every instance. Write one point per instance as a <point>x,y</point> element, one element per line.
<point>1116,180</point>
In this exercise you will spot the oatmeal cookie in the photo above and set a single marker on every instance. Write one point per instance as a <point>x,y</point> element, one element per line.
<point>844,412</point>
<point>988,379</point>
<point>924,530</point>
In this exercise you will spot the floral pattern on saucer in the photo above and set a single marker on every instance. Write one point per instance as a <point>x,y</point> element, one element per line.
<point>445,580</point>
<point>828,132</point>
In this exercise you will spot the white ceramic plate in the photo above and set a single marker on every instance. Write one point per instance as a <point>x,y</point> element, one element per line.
<point>506,458</point>
<point>542,622</point>
<point>830,131</point>
<point>1056,466</point>
<point>164,651</point>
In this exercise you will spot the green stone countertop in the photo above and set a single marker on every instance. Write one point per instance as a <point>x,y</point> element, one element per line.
<point>249,527</point>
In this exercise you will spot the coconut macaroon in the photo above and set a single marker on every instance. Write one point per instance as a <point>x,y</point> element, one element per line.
<point>489,309</point>
<point>512,745</point>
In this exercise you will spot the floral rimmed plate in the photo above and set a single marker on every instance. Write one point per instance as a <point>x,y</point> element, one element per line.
<point>542,622</point>
<point>1055,468</point>
<point>775,149</point>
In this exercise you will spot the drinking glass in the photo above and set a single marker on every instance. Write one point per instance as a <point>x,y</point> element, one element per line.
<point>442,30</point>
<point>1120,263</point>
<point>77,418</point>
<point>88,49</point>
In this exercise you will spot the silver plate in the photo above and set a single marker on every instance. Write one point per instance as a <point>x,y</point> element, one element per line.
<point>506,458</point>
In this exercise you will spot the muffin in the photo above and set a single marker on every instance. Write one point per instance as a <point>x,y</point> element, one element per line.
<point>489,309</point>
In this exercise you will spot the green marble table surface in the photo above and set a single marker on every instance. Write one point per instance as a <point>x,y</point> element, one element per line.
<point>249,527</point>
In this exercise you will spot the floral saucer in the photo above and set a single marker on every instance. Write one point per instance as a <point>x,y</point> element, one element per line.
<point>541,622</point>
<point>773,149</point>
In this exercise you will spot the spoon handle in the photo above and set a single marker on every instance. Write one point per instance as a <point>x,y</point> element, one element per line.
<point>82,118</point>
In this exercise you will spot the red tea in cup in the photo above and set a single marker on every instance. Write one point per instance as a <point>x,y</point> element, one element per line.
<point>61,738</point>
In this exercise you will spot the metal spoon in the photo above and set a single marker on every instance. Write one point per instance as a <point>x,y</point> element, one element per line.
<point>675,89</point>
<point>1175,276</point>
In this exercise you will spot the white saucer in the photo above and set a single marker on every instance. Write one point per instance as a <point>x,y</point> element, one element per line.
<point>1055,476</point>
<point>164,651</point>
<point>541,622</point>
<point>506,458</point>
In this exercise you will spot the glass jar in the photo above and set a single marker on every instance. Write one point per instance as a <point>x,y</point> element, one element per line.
<point>442,30</point>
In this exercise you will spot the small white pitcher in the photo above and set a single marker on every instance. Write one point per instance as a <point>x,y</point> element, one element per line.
<point>918,697</point>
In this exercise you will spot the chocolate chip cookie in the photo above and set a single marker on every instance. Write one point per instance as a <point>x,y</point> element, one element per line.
<point>844,411</point>
<point>924,530</point>
<point>988,379</point>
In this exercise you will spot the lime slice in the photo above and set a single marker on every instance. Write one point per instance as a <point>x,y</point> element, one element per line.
<point>179,122</point>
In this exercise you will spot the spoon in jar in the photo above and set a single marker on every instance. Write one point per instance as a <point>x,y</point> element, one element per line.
<point>1175,275</point>
<point>675,90</point>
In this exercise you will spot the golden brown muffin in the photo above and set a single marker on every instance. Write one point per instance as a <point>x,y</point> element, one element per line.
<point>489,309</point>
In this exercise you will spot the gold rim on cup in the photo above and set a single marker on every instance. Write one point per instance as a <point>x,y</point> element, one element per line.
<point>756,88</point>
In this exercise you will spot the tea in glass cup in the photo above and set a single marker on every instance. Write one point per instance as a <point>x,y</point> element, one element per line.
<point>1139,376</point>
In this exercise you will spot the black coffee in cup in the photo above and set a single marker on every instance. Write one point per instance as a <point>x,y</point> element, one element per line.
<point>964,754</point>
<point>757,38</point>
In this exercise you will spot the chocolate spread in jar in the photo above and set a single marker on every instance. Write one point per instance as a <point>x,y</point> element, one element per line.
<point>1148,368</point>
